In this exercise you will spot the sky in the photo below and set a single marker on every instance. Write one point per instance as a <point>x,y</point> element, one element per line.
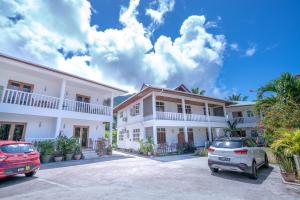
<point>224,47</point>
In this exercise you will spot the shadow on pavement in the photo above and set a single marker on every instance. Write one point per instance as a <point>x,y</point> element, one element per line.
<point>263,174</point>
<point>13,180</point>
<point>174,158</point>
<point>71,163</point>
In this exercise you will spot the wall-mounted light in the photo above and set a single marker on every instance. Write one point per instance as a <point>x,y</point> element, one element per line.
<point>66,93</point>
<point>64,126</point>
<point>45,88</point>
<point>40,124</point>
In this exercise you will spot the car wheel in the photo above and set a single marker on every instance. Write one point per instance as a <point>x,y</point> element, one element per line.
<point>30,174</point>
<point>253,174</point>
<point>214,169</point>
<point>266,165</point>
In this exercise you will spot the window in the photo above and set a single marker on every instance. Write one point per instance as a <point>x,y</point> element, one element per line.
<point>121,114</point>
<point>188,109</point>
<point>254,133</point>
<point>136,109</point>
<point>160,106</point>
<point>121,136</point>
<point>161,135</point>
<point>179,108</point>
<point>136,135</point>
<point>15,85</point>
<point>249,113</point>
<point>204,111</point>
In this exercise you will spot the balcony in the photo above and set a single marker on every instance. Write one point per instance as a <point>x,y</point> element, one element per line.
<point>29,99</point>
<point>26,99</point>
<point>197,118</point>
<point>244,120</point>
<point>77,106</point>
<point>169,116</point>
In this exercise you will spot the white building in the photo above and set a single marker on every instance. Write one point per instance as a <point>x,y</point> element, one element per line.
<point>38,103</point>
<point>248,122</point>
<point>170,117</point>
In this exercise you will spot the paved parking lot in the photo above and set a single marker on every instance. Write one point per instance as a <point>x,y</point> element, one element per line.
<point>131,177</point>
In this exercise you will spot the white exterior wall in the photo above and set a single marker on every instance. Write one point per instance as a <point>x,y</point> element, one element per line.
<point>33,130</point>
<point>199,136</point>
<point>96,129</point>
<point>128,142</point>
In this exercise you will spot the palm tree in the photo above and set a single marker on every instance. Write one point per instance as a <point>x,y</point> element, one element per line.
<point>237,97</point>
<point>198,91</point>
<point>231,129</point>
<point>285,88</point>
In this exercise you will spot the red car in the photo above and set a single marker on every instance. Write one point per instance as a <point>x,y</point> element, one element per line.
<point>18,158</point>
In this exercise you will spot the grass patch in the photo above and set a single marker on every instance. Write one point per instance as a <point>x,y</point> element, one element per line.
<point>201,153</point>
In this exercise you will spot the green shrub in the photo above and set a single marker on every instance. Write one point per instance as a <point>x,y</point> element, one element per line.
<point>77,149</point>
<point>146,146</point>
<point>201,152</point>
<point>286,165</point>
<point>45,147</point>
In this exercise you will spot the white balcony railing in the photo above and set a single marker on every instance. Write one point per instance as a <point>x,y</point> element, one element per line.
<point>169,116</point>
<point>77,106</point>
<point>243,120</point>
<point>196,117</point>
<point>29,99</point>
<point>217,119</point>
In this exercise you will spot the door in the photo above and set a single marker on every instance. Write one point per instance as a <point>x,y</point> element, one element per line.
<point>180,136</point>
<point>21,97</point>
<point>161,135</point>
<point>12,131</point>
<point>82,134</point>
<point>82,105</point>
<point>190,136</point>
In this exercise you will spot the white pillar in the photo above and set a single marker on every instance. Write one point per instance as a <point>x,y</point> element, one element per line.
<point>154,105</point>
<point>62,94</point>
<point>58,125</point>
<point>186,138</point>
<point>183,109</point>
<point>224,110</point>
<point>111,118</point>
<point>155,135</point>
<point>209,125</point>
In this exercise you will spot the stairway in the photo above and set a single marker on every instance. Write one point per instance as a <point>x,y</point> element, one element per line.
<point>89,153</point>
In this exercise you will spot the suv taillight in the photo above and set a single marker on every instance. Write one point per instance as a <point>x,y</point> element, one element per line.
<point>241,151</point>
<point>2,157</point>
<point>210,149</point>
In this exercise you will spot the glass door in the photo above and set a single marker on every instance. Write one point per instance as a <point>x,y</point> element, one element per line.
<point>12,131</point>
<point>82,134</point>
<point>4,131</point>
<point>84,139</point>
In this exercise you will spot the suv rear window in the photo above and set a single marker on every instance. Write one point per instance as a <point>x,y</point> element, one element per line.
<point>17,148</point>
<point>227,144</point>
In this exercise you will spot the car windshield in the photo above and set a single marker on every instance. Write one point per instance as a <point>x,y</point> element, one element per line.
<point>230,144</point>
<point>17,148</point>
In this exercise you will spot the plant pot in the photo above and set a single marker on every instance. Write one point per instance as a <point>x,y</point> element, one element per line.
<point>77,156</point>
<point>45,158</point>
<point>69,156</point>
<point>149,153</point>
<point>289,177</point>
<point>58,158</point>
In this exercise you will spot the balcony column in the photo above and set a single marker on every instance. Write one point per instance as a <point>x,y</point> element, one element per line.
<point>186,138</point>
<point>183,109</point>
<point>224,110</point>
<point>112,118</point>
<point>57,127</point>
<point>208,120</point>
<point>154,105</point>
<point>62,94</point>
<point>154,135</point>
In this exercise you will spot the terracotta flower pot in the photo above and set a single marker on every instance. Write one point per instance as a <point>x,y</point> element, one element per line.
<point>77,157</point>
<point>69,156</point>
<point>289,177</point>
<point>58,158</point>
<point>45,158</point>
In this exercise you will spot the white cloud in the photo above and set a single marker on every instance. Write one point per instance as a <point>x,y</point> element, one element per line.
<point>46,32</point>
<point>250,51</point>
<point>234,46</point>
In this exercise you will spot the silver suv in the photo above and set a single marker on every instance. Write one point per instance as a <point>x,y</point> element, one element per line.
<point>236,154</point>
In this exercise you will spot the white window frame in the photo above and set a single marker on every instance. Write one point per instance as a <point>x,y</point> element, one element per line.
<point>121,135</point>
<point>136,135</point>
<point>160,106</point>
<point>248,113</point>
<point>188,107</point>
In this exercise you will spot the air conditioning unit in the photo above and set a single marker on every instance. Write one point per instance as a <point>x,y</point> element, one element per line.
<point>124,119</point>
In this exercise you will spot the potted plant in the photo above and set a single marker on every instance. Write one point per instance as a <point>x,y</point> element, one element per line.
<point>77,152</point>
<point>58,156</point>
<point>46,149</point>
<point>287,169</point>
<point>69,147</point>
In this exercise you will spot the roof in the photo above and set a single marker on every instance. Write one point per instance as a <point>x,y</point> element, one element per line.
<point>183,88</point>
<point>241,103</point>
<point>146,89</point>
<point>59,72</point>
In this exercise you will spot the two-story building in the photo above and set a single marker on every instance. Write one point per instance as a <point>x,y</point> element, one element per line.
<point>39,102</point>
<point>169,117</point>
<point>247,120</point>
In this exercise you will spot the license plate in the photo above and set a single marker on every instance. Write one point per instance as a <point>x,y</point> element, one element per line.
<point>21,169</point>
<point>27,168</point>
<point>224,159</point>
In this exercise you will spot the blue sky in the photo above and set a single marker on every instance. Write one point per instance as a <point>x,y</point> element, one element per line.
<point>223,47</point>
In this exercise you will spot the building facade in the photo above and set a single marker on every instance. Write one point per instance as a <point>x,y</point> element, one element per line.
<point>169,117</point>
<point>39,103</point>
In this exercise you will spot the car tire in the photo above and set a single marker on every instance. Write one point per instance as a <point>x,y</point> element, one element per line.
<point>253,174</point>
<point>266,165</point>
<point>215,170</point>
<point>30,174</point>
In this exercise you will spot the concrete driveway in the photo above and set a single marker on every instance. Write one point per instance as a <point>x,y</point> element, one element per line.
<point>130,177</point>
